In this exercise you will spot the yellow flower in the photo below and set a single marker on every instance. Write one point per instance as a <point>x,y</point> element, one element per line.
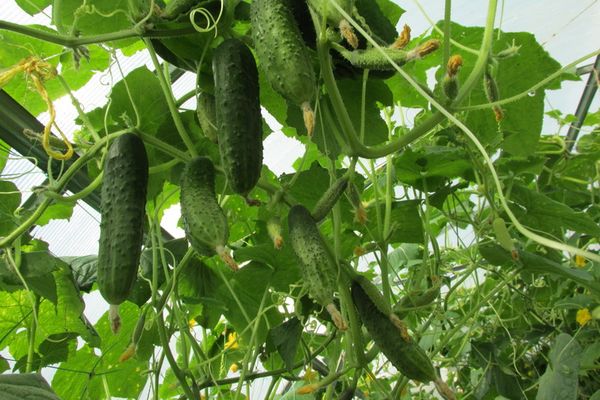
<point>232,342</point>
<point>192,323</point>
<point>580,261</point>
<point>309,375</point>
<point>234,367</point>
<point>306,389</point>
<point>583,316</point>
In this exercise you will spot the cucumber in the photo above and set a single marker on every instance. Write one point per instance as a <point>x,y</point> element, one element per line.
<point>316,264</point>
<point>205,110</point>
<point>407,356</point>
<point>329,198</point>
<point>204,221</point>
<point>122,204</point>
<point>283,55</point>
<point>237,110</point>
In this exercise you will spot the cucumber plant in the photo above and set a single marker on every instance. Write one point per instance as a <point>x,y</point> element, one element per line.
<point>394,252</point>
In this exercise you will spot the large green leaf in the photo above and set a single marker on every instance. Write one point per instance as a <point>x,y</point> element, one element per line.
<point>123,378</point>
<point>33,7</point>
<point>36,270</point>
<point>406,225</point>
<point>93,18</point>
<point>548,215</point>
<point>25,386</point>
<point>561,378</point>
<point>152,106</point>
<point>285,338</point>
<point>431,167</point>
<point>249,290</point>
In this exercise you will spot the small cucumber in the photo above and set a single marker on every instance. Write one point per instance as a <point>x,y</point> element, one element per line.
<point>204,221</point>
<point>329,198</point>
<point>316,264</point>
<point>407,356</point>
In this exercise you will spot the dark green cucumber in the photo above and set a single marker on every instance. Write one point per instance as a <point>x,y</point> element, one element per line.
<point>122,203</point>
<point>316,264</point>
<point>407,356</point>
<point>239,121</point>
<point>283,55</point>
<point>204,222</point>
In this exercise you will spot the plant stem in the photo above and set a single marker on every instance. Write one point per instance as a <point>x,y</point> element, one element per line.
<point>31,333</point>
<point>447,22</point>
<point>164,340</point>
<point>74,41</point>
<point>166,88</point>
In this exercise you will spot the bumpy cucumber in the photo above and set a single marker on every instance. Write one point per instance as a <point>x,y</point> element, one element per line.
<point>205,110</point>
<point>123,201</point>
<point>283,55</point>
<point>329,198</point>
<point>204,222</point>
<point>406,356</point>
<point>239,121</point>
<point>316,264</point>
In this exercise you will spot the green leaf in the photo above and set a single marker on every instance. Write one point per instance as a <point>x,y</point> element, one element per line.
<point>431,166</point>
<point>93,18</point>
<point>36,269</point>
<point>16,307</point>
<point>547,214</point>
<point>250,285</point>
<point>406,223</point>
<point>84,270</point>
<point>560,380</point>
<point>309,185</point>
<point>282,262</point>
<point>196,282</point>
<point>522,124</point>
<point>377,95</point>
<point>67,315</point>
<point>285,339</point>
<point>62,210</point>
<point>25,386</point>
<point>10,199</point>
<point>531,262</point>
<point>123,378</point>
<point>152,105</point>
<point>33,7</point>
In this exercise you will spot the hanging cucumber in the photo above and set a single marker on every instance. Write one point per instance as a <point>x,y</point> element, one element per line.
<point>330,198</point>
<point>283,55</point>
<point>204,221</point>
<point>237,110</point>
<point>317,267</point>
<point>205,110</point>
<point>407,356</point>
<point>123,201</point>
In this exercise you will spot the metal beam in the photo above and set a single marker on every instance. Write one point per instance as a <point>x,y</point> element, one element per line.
<point>584,106</point>
<point>14,118</point>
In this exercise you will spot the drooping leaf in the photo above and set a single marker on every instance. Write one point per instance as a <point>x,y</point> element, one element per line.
<point>84,270</point>
<point>62,210</point>
<point>560,381</point>
<point>36,270</point>
<point>431,167</point>
<point>249,291</point>
<point>25,386</point>
<point>546,214</point>
<point>285,339</point>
